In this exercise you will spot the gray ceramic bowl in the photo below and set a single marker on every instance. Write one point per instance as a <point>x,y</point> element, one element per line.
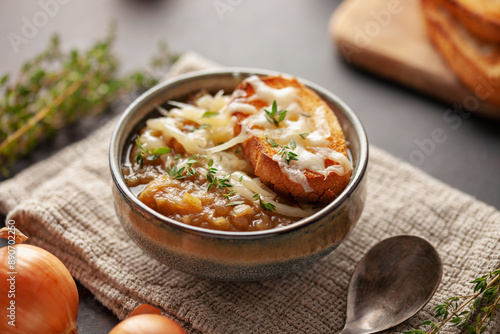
<point>224,255</point>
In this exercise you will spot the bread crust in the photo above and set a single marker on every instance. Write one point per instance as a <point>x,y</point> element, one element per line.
<point>259,152</point>
<point>483,23</point>
<point>464,54</point>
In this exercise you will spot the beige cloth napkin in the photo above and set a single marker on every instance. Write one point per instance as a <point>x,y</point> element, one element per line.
<point>65,205</point>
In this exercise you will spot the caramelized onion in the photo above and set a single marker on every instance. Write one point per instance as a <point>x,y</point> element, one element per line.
<point>38,293</point>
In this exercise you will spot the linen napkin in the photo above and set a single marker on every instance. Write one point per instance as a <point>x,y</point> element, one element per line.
<point>64,204</point>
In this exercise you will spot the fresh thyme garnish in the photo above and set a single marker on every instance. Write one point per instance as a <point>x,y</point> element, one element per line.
<point>234,203</point>
<point>304,114</point>
<point>176,172</point>
<point>190,172</point>
<point>271,115</point>
<point>264,205</point>
<point>241,178</point>
<point>229,194</point>
<point>193,159</point>
<point>209,114</point>
<point>287,154</point>
<point>178,156</point>
<point>303,135</point>
<point>459,315</point>
<point>213,180</point>
<point>150,155</point>
<point>285,151</point>
<point>271,142</point>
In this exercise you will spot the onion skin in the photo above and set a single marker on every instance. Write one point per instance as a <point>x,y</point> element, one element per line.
<point>147,324</point>
<point>145,309</point>
<point>46,297</point>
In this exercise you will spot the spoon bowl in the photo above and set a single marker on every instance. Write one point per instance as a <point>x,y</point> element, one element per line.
<point>393,281</point>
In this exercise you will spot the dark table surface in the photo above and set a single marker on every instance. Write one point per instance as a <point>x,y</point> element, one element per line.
<point>290,36</point>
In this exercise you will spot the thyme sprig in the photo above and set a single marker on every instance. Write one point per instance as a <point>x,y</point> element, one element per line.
<point>150,155</point>
<point>176,172</point>
<point>458,311</point>
<point>285,151</point>
<point>183,172</point>
<point>213,180</point>
<point>57,88</point>
<point>264,205</point>
<point>232,202</point>
<point>271,115</point>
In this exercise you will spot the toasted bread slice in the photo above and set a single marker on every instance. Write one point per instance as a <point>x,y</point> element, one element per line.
<point>474,61</point>
<point>481,17</point>
<point>265,159</point>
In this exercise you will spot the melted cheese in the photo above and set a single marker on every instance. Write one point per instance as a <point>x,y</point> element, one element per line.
<point>193,142</point>
<point>283,97</point>
<point>294,174</point>
<point>205,141</point>
<point>312,148</point>
<point>242,107</point>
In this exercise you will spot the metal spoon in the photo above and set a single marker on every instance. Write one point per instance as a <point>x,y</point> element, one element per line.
<point>394,280</point>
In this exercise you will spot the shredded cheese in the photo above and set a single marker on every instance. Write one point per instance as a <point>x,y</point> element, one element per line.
<point>309,132</point>
<point>212,134</point>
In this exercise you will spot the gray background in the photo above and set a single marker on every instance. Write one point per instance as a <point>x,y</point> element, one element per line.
<point>290,36</point>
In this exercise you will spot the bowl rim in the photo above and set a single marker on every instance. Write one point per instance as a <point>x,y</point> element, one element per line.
<point>114,153</point>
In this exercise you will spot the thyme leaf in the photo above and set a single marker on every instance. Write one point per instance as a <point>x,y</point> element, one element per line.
<point>271,115</point>
<point>229,194</point>
<point>176,172</point>
<point>213,180</point>
<point>287,154</point>
<point>150,155</point>
<point>184,171</point>
<point>266,206</point>
<point>210,114</point>
<point>271,142</point>
<point>285,151</point>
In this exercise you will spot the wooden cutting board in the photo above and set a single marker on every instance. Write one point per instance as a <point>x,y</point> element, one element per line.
<point>389,38</point>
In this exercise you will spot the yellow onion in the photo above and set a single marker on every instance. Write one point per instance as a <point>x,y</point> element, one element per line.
<point>146,319</point>
<point>145,309</point>
<point>38,294</point>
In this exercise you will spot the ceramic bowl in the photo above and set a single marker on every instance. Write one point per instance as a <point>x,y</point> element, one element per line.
<point>226,255</point>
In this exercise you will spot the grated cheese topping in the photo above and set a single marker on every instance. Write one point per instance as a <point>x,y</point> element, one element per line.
<point>211,133</point>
